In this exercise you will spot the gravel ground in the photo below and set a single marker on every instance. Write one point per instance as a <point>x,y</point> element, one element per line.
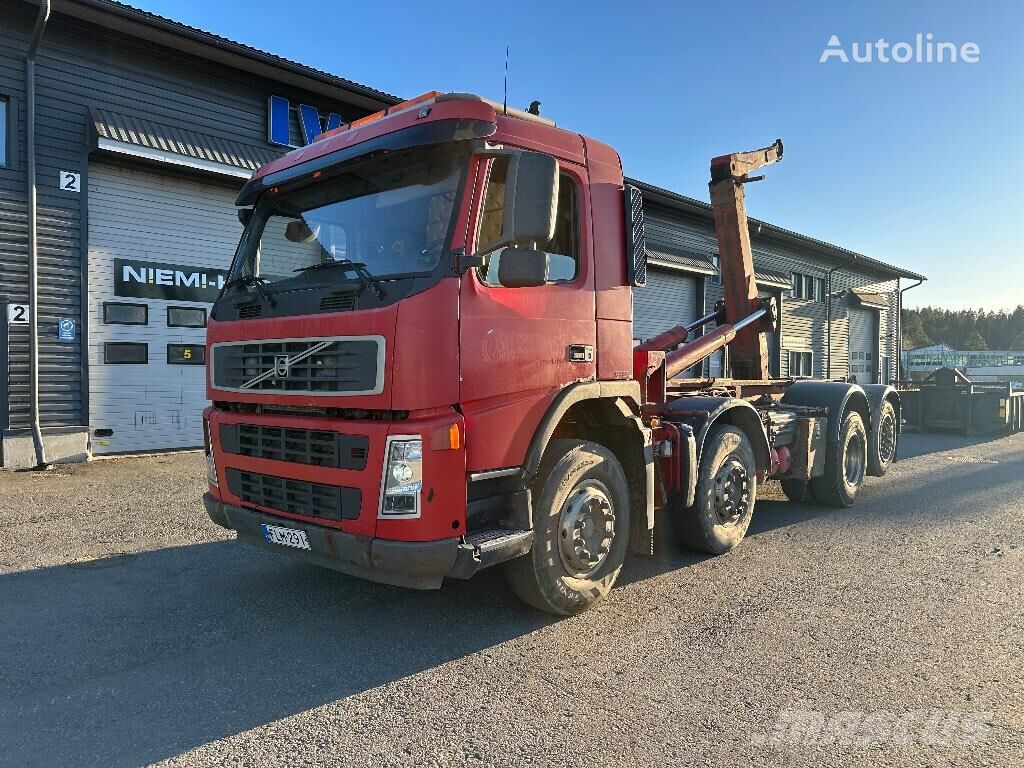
<point>135,631</point>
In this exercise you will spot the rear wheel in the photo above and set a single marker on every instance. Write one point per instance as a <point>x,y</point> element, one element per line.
<point>845,464</point>
<point>882,448</point>
<point>726,491</point>
<point>581,529</point>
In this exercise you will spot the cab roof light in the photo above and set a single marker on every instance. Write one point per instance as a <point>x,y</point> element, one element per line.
<point>403,106</point>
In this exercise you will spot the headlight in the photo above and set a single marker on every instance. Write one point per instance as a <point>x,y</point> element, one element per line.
<point>403,479</point>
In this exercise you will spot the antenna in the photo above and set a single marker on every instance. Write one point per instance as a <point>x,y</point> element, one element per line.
<point>504,105</point>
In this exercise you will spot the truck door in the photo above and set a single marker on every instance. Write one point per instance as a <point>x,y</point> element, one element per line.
<point>516,342</point>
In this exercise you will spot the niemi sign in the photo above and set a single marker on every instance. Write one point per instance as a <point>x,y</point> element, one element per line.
<point>176,282</point>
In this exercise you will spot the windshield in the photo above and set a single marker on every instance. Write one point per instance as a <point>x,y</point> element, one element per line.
<point>391,214</point>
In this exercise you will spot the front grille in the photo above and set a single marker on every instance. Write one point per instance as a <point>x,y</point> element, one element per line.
<point>297,497</point>
<point>300,366</point>
<point>299,446</point>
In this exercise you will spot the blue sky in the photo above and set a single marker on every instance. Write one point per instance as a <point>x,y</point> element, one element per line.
<point>915,164</point>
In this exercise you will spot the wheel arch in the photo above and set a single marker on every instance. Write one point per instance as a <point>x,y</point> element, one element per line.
<point>702,413</point>
<point>607,413</point>
<point>839,397</point>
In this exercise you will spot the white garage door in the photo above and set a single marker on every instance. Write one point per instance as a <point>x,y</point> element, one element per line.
<point>158,250</point>
<point>863,340</point>
<point>669,299</point>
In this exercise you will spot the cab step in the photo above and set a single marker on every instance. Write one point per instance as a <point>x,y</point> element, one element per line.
<point>482,549</point>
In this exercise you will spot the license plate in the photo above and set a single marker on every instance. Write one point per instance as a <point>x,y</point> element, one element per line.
<point>286,537</point>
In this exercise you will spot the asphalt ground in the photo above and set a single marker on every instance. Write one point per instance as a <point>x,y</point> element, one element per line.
<point>134,631</point>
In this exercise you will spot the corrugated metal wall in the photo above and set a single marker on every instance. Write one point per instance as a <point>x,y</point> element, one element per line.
<point>81,66</point>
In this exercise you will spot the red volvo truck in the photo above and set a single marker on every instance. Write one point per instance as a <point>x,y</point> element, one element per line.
<point>423,365</point>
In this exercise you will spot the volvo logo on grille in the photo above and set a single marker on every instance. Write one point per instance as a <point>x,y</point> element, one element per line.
<point>282,367</point>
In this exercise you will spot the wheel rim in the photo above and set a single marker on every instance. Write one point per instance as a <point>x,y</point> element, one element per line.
<point>853,465</point>
<point>586,528</point>
<point>886,439</point>
<point>732,492</point>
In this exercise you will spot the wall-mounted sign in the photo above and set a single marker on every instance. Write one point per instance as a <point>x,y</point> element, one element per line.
<point>66,329</point>
<point>17,314</point>
<point>156,280</point>
<point>311,122</point>
<point>70,181</point>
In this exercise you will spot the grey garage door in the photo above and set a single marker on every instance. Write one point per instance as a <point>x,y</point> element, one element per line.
<point>668,299</point>
<point>863,341</point>
<point>158,249</point>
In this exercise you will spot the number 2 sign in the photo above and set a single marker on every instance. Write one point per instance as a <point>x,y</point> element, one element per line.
<point>70,181</point>
<point>17,314</point>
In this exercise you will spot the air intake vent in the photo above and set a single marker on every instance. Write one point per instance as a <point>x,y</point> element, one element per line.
<point>298,446</point>
<point>246,311</point>
<point>296,497</point>
<point>338,302</point>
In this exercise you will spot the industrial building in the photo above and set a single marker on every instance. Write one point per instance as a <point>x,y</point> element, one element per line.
<point>146,129</point>
<point>980,365</point>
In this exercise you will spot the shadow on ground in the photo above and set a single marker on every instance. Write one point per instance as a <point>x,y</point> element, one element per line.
<point>159,653</point>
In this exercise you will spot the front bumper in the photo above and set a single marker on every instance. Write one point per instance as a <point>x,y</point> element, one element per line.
<point>413,564</point>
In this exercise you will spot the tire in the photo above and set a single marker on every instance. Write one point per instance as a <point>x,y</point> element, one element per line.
<point>845,464</point>
<point>798,490</point>
<point>882,445</point>
<point>725,497</point>
<point>579,486</point>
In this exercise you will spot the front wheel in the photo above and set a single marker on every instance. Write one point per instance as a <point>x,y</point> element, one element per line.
<point>581,529</point>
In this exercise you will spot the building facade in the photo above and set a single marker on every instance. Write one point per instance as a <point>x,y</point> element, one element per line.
<point>146,130</point>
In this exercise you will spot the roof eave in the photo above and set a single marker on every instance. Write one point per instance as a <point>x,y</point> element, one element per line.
<point>140,24</point>
<point>820,247</point>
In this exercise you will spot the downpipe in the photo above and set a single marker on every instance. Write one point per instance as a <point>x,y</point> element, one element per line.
<point>33,247</point>
<point>899,329</point>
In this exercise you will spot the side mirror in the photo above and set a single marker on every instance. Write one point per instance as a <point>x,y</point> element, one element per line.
<point>531,199</point>
<point>522,268</point>
<point>244,214</point>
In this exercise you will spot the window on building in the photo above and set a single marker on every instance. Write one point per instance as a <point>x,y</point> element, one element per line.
<point>119,313</point>
<point>801,364</point>
<point>186,354</point>
<point>3,130</point>
<point>808,287</point>
<point>186,317</point>
<point>562,250</point>
<point>716,262</point>
<point>125,353</point>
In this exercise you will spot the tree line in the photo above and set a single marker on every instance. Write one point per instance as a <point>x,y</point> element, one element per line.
<point>963,329</point>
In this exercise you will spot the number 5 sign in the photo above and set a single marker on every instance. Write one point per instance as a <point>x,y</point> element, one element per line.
<point>17,314</point>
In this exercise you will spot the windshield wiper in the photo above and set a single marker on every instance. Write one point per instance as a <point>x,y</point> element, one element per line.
<point>253,281</point>
<point>358,267</point>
